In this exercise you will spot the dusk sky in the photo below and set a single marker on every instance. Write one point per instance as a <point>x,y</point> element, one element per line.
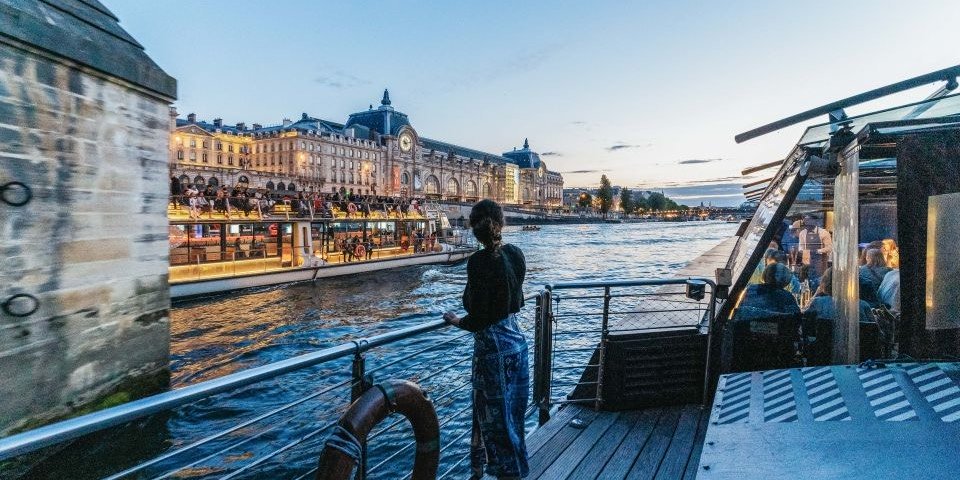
<point>650,93</point>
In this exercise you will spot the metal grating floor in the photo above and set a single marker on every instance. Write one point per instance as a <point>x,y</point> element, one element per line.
<point>882,421</point>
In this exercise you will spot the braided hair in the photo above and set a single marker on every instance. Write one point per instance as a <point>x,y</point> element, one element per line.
<point>486,220</point>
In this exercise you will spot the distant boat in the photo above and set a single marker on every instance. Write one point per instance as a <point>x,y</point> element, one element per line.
<point>531,228</point>
<point>732,219</point>
<point>613,220</point>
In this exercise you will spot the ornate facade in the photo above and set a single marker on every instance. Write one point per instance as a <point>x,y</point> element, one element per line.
<point>376,152</point>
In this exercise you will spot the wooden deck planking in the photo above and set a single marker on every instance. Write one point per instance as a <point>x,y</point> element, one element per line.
<point>603,449</point>
<point>693,463</point>
<point>578,449</point>
<point>661,443</point>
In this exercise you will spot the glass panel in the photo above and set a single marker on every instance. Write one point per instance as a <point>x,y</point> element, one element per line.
<point>943,270</point>
<point>846,263</point>
<point>936,107</point>
<point>767,220</point>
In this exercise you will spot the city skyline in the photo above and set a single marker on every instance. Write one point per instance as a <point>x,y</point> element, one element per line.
<point>650,95</point>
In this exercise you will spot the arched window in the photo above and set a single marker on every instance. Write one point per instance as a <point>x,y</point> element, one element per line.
<point>184,180</point>
<point>281,186</point>
<point>471,188</point>
<point>292,187</point>
<point>198,180</point>
<point>270,185</point>
<point>486,190</point>
<point>432,185</point>
<point>243,179</point>
<point>453,187</point>
<point>405,178</point>
<point>213,182</point>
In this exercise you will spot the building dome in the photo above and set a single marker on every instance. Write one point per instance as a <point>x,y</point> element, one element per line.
<point>383,120</point>
<point>524,158</point>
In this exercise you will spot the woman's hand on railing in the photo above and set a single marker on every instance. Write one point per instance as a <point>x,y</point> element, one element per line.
<point>451,318</point>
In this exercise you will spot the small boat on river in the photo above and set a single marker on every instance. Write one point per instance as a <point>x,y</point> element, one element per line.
<point>530,228</point>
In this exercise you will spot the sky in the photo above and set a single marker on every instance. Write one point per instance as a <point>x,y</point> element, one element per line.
<point>649,93</point>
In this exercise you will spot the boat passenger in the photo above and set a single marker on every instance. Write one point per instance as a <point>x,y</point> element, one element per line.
<point>816,244</point>
<point>770,298</point>
<point>492,297</point>
<point>871,275</point>
<point>823,307</point>
<point>889,291</point>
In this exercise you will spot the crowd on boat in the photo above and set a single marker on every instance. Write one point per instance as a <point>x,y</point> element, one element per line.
<point>795,279</point>
<point>209,199</point>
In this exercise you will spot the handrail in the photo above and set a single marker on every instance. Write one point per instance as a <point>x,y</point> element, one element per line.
<point>36,439</point>
<point>627,283</point>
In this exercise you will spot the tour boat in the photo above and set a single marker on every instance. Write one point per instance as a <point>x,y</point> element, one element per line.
<point>213,252</point>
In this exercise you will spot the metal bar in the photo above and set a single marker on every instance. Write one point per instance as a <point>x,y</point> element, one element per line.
<point>408,445</point>
<point>711,312</point>
<point>210,438</point>
<point>758,182</point>
<point>36,439</point>
<point>604,331</point>
<point>761,167</point>
<point>627,283</point>
<point>357,375</point>
<point>278,451</point>
<point>947,74</point>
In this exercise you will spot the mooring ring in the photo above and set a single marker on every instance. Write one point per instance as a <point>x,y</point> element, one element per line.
<point>8,304</point>
<point>27,194</point>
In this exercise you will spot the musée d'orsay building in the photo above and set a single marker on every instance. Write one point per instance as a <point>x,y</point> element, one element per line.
<point>376,152</point>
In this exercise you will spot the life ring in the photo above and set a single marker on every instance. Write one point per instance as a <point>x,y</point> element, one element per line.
<point>342,451</point>
<point>351,208</point>
<point>359,251</point>
<point>404,244</point>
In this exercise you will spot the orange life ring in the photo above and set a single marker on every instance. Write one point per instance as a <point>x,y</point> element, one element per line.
<point>351,208</point>
<point>404,244</point>
<point>342,451</point>
<point>359,251</point>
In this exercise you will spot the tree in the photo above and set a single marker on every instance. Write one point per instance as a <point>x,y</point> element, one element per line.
<point>584,200</point>
<point>657,201</point>
<point>640,203</point>
<point>605,195</point>
<point>626,201</point>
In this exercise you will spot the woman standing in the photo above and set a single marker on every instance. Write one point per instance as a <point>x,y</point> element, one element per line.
<point>492,297</point>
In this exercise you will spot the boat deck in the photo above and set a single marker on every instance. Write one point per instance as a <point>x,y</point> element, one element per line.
<point>655,443</point>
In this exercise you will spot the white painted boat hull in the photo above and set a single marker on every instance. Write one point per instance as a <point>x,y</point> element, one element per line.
<point>193,288</point>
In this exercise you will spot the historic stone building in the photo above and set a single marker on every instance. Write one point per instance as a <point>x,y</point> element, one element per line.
<point>376,151</point>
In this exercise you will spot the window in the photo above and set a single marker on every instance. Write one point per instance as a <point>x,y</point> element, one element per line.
<point>351,177</point>
<point>230,148</point>
<point>220,159</point>
<point>351,153</point>
<point>204,157</point>
<point>351,164</point>
<point>342,151</point>
<point>405,178</point>
<point>303,145</point>
<point>229,159</point>
<point>217,145</point>
<point>179,154</point>
<point>342,163</point>
<point>193,143</point>
<point>193,156</point>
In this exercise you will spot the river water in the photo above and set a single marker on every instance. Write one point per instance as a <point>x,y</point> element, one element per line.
<point>221,335</point>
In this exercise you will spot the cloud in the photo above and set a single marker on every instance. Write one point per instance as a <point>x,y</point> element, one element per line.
<point>695,160</point>
<point>585,171</point>
<point>551,154</point>
<point>340,79</point>
<point>623,146</point>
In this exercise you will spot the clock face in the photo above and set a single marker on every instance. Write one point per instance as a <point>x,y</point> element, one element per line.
<point>406,142</point>
<point>540,171</point>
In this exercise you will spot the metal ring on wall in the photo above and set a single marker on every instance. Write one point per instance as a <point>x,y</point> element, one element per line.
<point>8,304</point>
<point>27,194</point>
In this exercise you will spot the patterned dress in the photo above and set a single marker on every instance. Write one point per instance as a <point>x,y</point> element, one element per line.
<point>501,381</point>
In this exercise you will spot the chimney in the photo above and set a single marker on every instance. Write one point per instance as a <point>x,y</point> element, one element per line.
<point>305,116</point>
<point>257,126</point>
<point>286,122</point>
<point>192,117</point>
<point>241,126</point>
<point>218,122</point>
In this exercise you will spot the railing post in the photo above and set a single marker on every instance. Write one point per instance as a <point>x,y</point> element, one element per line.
<point>357,387</point>
<point>542,357</point>
<point>711,313</point>
<point>604,329</point>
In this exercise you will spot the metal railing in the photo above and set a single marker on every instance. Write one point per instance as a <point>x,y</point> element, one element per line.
<point>200,207</point>
<point>570,345</point>
<point>283,435</point>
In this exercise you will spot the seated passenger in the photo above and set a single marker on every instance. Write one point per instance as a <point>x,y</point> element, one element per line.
<point>871,275</point>
<point>770,298</point>
<point>889,291</point>
<point>822,306</point>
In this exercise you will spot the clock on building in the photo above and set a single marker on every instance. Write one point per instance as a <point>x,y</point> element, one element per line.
<point>406,142</point>
<point>541,170</point>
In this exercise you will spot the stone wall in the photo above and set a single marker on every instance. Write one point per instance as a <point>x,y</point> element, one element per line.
<point>90,245</point>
